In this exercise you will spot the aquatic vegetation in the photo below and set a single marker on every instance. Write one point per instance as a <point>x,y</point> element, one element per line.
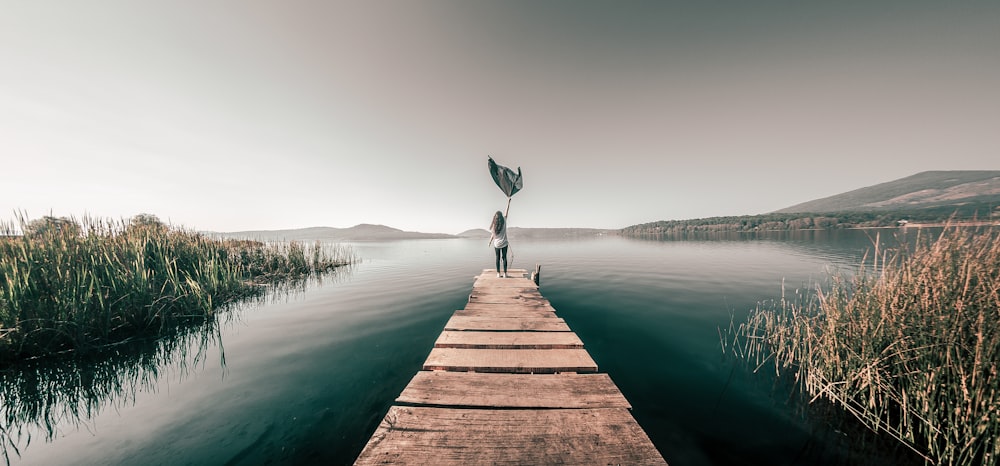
<point>909,345</point>
<point>76,286</point>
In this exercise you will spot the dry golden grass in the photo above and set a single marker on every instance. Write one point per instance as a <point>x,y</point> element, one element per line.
<point>909,345</point>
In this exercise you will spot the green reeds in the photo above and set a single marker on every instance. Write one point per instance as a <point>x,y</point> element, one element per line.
<point>76,286</point>
<point>909,345</point>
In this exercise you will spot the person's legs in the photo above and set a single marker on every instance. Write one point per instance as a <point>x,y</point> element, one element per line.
<point>497,250</point>
<point>503,252</point>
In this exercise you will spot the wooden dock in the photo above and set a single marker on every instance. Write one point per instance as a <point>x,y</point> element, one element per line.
<point>508,382</point>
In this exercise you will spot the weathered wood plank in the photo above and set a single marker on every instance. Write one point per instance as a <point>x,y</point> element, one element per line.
<point>512,300</point>
<point>418,435</point>
<point>545,307</point>
<point>528,312</point>
<point>507,310</point>
<point>508,340</point>
<point>507,298</point>
<point>513,292</point>
<point>520,361</point>
<point>506,324</point>
<point>509,282</point>
<point>490,276</point>
<point>493,272</point>
<point>502,283</point>
<point>479,390</point>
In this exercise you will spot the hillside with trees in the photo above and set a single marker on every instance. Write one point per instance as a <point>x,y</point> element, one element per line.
<point>924,198</point>
<point>921,191</point>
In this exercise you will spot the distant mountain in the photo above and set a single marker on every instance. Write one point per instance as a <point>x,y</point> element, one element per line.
<point>368,232</point>
<point>923,190</point>
<point>362,232</point>
<point>935,197</point>
<point>540,233</point>
<point>475,233</point>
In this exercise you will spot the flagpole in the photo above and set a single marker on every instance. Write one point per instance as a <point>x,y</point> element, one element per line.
<point>506,223</point>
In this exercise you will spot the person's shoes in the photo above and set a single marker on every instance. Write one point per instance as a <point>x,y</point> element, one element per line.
<point>505,275</point>
<point>498,274</point>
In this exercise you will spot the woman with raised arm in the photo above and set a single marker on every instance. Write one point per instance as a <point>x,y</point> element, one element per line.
<point>498,239</point>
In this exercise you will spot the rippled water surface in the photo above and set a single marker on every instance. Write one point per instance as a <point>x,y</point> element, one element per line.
<point>308,376</point>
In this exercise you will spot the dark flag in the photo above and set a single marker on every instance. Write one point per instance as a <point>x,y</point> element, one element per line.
<point>508,181</point>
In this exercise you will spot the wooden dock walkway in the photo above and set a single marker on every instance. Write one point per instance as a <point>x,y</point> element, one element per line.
<point>507,382</point>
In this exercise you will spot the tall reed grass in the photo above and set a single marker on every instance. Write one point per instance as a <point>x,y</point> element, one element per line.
<point>82,285</point>
<point>909,345</point>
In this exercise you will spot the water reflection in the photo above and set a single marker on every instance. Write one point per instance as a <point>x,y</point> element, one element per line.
<point>38,398</point>
<point>831,245</point>
<point>835,239</point>
<point>41,397</point>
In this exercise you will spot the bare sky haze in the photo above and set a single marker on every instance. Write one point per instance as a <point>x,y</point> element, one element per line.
<point>249,115</point>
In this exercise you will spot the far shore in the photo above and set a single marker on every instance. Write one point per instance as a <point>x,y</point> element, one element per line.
<point>970,223</point>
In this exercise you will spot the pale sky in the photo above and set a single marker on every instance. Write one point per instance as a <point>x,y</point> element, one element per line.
<point>240,115</point>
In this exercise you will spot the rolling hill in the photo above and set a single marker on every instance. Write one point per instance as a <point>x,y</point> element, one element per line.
<point>924,190</point>
<point>933,197</point>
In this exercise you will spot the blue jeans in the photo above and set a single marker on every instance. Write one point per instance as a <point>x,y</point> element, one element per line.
<point>501,252</point>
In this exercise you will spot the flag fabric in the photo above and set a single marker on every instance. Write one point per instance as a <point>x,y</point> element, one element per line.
<point>508,181</point>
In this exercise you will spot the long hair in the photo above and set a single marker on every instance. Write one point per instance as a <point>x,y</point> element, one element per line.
<point>497,224</point>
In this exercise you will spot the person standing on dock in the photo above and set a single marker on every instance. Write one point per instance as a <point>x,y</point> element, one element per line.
<point>498,239</point>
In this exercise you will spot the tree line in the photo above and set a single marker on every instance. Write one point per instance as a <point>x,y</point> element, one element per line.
<point>818,221</point>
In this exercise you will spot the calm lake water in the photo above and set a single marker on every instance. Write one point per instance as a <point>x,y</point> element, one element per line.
<point>307,376</point>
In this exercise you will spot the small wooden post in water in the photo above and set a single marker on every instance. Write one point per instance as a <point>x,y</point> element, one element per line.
<point>507,382</point>
<point>536,276</point>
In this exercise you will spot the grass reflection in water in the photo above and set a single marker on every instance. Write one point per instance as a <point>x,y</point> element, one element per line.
<point>43,396</point>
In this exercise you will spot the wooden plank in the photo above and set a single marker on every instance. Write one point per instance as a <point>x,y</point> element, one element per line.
<point>512,279</point>
<point>509,299</point>
<point>508,310</point>
<point>503,283</point>
<point>546,307</point>
<point>508,340</point>
<point>507,292</point>
<point>506,324</point>
<point>528,312</point>
<point>490,276</point>
<point>522,361</point>
<point>509,282</point>
<point>509,302</point>
<point>479,390</point>
<point>442,436</point>
<point>493,272</point>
